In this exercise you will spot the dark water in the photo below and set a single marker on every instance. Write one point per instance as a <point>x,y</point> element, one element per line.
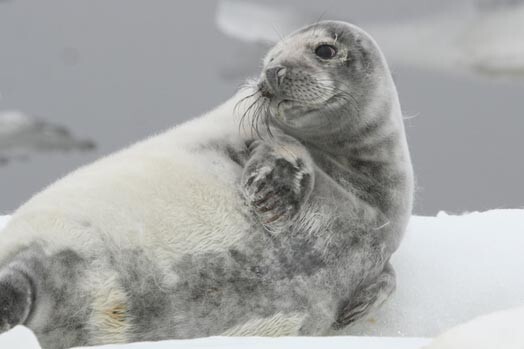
<point>117,71</point>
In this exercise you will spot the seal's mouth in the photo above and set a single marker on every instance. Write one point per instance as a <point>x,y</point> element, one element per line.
<point>291,111</point>
<point>294,107</point>
<point>263,106</point>
<point>285,105</point>
<point>305,115</point>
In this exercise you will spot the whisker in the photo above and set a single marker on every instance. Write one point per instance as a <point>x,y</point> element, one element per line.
<point>316,23</point>
<point>247,113</point>
<point>277,31</point>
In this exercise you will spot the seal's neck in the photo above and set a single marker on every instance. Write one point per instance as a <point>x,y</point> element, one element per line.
<point>376,134</point>
<point>370,158</point>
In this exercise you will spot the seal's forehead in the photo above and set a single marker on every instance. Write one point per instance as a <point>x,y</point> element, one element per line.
<point>304,37</point>
<point>321,32</point>
<point>347,37</point>
<point>328,29</point>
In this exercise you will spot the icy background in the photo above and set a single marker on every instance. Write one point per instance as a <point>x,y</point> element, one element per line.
<point>113,72</point>
<point>22,135</point>
<point>450,269</point>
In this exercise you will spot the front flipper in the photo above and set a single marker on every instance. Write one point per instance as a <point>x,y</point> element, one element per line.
<point>277,180</point>
<point>366,298</point>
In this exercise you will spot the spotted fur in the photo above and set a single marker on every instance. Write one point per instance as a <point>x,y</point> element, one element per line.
<point>283,227</point>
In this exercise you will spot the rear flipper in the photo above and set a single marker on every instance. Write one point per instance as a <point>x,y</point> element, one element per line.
<point>16,298</point>
<point>366,298</point>
<point>40,290</point>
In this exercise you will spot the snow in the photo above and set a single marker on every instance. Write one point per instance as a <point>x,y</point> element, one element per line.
<point>450,269</point>
<point>19,338</point>
<point>503,329</point>
<point>281,343</point>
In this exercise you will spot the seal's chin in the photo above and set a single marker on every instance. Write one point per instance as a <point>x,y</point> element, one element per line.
<point>296,115</point>
<point>302,115</point>
<point>288,110</point>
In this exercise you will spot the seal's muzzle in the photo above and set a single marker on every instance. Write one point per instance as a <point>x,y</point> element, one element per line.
<point>274,77</point>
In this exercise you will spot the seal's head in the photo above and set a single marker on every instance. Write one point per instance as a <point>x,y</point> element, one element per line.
<point>318,78</point>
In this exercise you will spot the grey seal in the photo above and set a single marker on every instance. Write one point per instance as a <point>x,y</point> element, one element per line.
<point>274,214</point>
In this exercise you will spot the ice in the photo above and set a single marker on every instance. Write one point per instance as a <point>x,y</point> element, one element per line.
<point>22,134</point>
<point>252,22</point>
<point>281,343</point>
<point>503,329</point>
<point>19,338</point>
<point>450,269</point>
<point>487,41</point>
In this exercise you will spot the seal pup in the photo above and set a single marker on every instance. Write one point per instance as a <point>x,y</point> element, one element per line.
<point>283,225</point>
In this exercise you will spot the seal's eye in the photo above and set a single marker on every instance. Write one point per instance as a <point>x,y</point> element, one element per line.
<point>326,51</point>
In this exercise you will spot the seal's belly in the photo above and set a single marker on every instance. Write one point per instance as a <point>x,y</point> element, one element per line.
<point>166,235</point>
<point>171,202</point>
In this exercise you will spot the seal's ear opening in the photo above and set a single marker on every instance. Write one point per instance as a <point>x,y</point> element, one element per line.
<point>16,298</point>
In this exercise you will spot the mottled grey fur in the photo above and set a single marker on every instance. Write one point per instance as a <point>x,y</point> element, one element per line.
<point>327,185</point>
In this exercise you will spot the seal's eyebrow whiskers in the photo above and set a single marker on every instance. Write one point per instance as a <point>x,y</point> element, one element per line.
<point>316,25</point>
<point>275,29</point>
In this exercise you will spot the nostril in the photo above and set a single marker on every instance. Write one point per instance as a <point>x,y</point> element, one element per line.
<point>281,71</point>
<point>275,75</point>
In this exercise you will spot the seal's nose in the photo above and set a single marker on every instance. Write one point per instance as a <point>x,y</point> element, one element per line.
<point>275,76</point>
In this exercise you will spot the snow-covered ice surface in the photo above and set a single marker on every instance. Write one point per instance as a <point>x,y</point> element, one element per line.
<point>450,269</point>
<point>19,338</point>
<point>281,343</point>
<point>504,329</point>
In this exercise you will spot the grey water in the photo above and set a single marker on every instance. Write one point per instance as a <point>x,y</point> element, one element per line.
<point>118,71</point>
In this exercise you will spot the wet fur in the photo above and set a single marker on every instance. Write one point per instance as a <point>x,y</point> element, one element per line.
<point>162,240</point>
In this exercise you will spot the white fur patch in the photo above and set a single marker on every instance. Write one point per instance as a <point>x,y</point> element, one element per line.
<point>165,195</point>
